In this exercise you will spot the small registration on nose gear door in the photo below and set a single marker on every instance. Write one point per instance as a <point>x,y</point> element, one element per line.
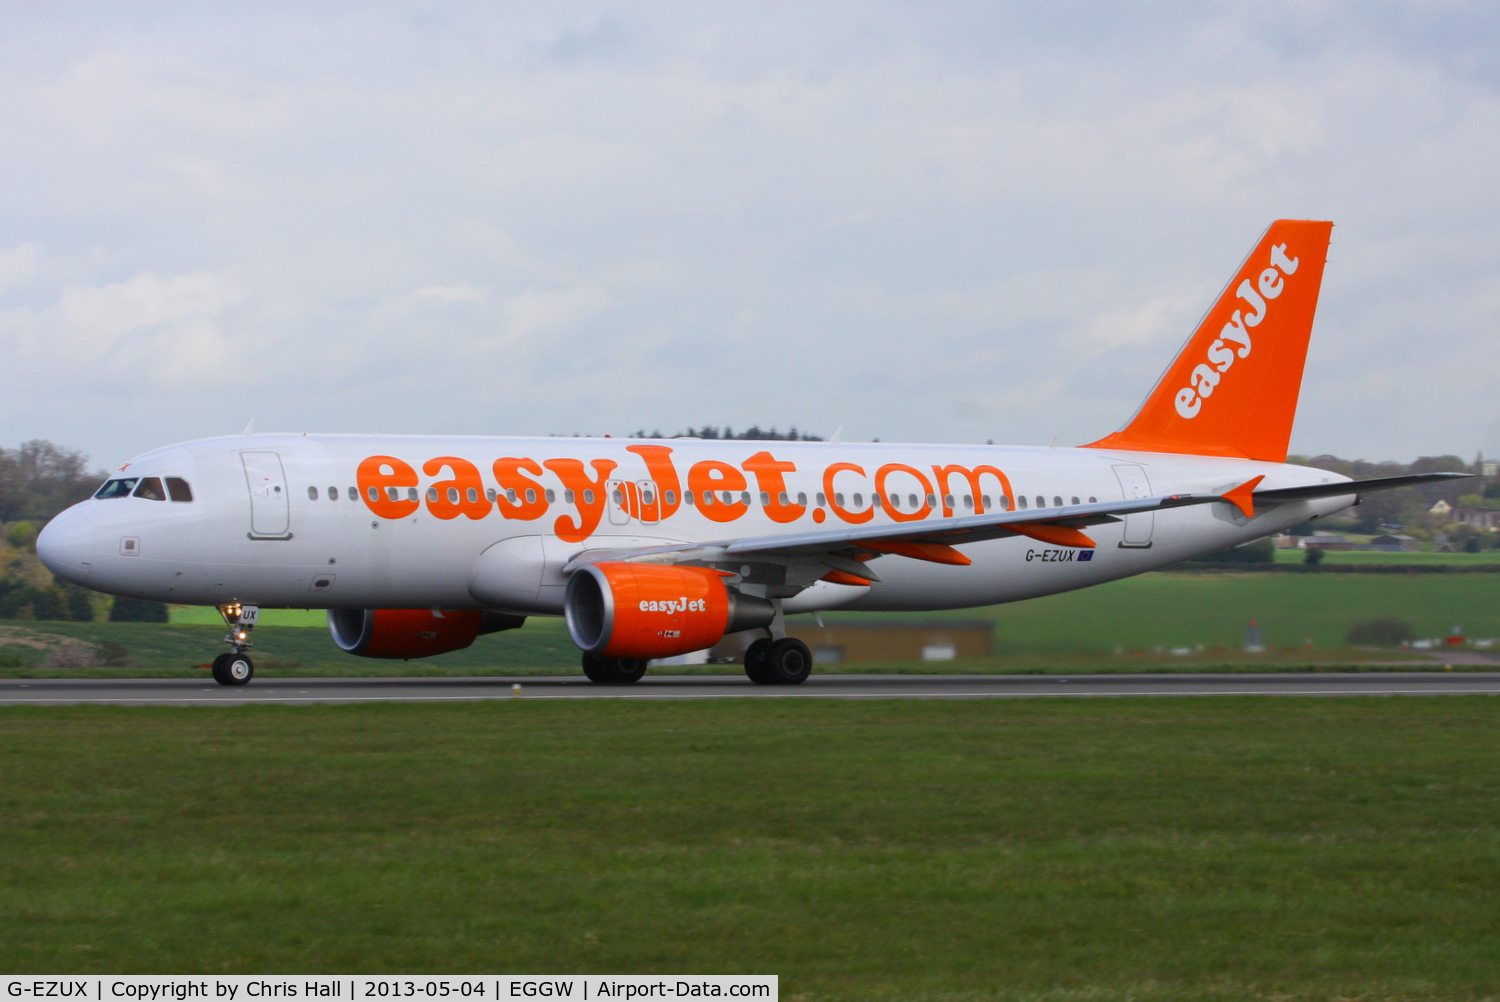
<point>270,516</point>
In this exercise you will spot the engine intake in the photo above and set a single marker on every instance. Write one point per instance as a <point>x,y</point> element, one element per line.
<point>620,610</point>
<point>412,633</point>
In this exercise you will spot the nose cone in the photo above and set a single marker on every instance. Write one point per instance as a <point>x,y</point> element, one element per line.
<point>66,545</point>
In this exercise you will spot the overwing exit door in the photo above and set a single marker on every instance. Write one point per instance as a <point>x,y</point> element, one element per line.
<point>270,511</point>
<point>1135,486</point>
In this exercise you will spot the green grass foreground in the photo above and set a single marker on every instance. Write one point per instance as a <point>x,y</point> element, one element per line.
<point>1089,849</point>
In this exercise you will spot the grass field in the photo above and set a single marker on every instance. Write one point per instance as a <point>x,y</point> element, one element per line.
<point>1091,849</point>
<point>1144,618</point>
<point>1482,558</point>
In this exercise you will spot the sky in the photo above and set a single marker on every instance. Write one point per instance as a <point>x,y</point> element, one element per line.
<point>922,222</point>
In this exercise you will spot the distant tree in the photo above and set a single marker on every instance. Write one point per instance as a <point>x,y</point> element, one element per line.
<point>49,604</point>
<point>40,479</point>
<point>1314,556</point>
<point>135,610</point>
<point>80,602</point>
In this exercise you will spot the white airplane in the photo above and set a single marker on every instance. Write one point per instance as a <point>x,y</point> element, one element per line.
<point>418,544</point>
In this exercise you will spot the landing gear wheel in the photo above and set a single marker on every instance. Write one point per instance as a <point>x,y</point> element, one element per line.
<point>789,662</point>
<point>233,669</point>
<point>755,661</point>
<point>613,671</point>
<point>594,668</point>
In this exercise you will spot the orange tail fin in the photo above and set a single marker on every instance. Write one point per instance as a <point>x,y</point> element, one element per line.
<point>1232,390</point>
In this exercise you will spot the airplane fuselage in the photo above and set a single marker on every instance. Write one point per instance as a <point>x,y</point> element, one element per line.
<point>362,521</point>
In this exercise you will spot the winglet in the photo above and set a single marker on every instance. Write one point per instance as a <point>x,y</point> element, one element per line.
<point>1243,496</point>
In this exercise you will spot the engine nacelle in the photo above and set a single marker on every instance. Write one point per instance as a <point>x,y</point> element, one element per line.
<point>412,633</point>
<point>620,610</point>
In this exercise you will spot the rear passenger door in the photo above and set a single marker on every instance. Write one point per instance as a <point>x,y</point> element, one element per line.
<point>270,512</point>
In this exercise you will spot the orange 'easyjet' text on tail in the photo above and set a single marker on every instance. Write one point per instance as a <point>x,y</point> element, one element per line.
<point>1232,390</point>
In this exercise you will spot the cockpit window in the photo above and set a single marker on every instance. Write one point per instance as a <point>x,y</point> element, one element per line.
<point>151,489</point>
<point>120,488</point>
<point>179,490</point>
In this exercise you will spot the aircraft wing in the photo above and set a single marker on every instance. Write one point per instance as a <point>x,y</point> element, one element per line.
<point>843,551</point>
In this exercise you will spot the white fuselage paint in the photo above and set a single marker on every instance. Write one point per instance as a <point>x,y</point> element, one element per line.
<point>230,545</point>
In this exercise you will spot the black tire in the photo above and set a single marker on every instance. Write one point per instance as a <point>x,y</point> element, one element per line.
<point>755,661</point>
<point>789,662</point>
<point>613,671</point>
<point>238,670</point>
<point>629,670</point>
<point>220,663</point>
<point>596,670</point>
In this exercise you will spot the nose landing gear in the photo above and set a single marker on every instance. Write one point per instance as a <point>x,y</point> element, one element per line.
<point>236,668</point>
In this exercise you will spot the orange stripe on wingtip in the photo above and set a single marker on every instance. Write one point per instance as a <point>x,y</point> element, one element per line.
<point>937,553</point>
<point>1243,496</point>
<point>1058,535</point>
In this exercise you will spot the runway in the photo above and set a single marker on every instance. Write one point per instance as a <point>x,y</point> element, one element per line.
<point>200,692</point>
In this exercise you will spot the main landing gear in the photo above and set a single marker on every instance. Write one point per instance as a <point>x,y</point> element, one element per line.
<point>778,662</point>
<point>613,671</point>
<point>236,668</point>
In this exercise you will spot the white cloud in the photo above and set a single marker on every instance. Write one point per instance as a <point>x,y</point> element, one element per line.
<point>918,222</point>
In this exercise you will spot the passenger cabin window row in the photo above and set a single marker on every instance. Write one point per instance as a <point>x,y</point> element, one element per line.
<point>178,490</point>
<point>148,488</point>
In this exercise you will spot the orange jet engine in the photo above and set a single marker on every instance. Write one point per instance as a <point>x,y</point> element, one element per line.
<point>620,610</point>
<point>412,633</point>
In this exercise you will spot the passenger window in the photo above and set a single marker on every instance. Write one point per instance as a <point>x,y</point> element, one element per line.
<point>987,504</point>
<point>875,501</point>
<point>510,495</point>
<point>151,489</point>
<point>118,488</point>
<point>1075,500</point>
<point>617,495</point>
<point>411,494</point>
<point>180,491</point>
<point>432,495</point>
<point>765,499</point>
<point>453,495</point>
<point>744,497</point>
<point>567,497</point>
<point>802,499</point>
<point>647,496</point>
<point>823,499</point>
<point>374,493</point>
<point>688,497</point>
<point>312,494</point>
<point>333,492</point>
<point>551,495</point>
<point>1005,502</point>
<point>353,495</point>
<point>1023,502</point>
<point>859,500</point>
<point>1056,502</point>
<point>1093,500</point>
<point>708,499</point>
<point>931,501</point>
<point>1041,502</point>
<point>838,499</point>
<point>968,501</point>
<point>948,500</point>
<point>588,497</point>
<point>783,500</point>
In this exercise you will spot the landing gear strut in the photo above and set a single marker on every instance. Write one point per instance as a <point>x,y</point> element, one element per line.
<point>613,671</point>
<point>236,668</point>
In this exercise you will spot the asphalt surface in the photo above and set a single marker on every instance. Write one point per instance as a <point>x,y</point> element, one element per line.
<point>194,691</point>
